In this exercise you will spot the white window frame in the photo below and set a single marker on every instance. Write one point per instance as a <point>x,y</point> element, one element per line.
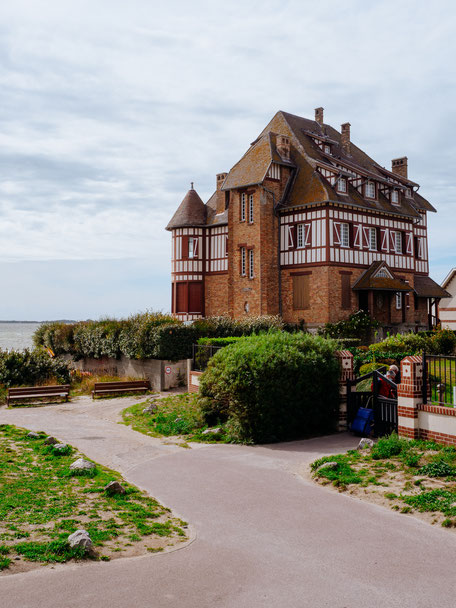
<point>243,262</point>
<point>191,247</point>
<point>394,197</point>
<point>373,245</point>
<point>408,192</point>
<point>398,300</point>
<point>398,242</point>
<point>342,185</point>
<point>369,187</point>
<point>251,209</point>
<point>326,149</point>
<point>242,207</point>
<point>344,235</point>
<point>300,236</point>
<point>251,260</point>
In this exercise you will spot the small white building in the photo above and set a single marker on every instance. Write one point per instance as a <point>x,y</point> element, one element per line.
<point>447,307</point>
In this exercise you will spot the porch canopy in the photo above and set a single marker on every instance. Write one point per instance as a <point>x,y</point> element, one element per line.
<point>425,287</point>
<point>378,277</point>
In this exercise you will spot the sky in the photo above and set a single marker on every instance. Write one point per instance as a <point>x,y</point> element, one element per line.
<point>109,109</point>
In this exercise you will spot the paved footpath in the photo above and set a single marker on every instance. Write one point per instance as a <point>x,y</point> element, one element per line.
<point>265,537</point>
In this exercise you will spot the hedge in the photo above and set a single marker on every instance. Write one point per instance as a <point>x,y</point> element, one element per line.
<point>147,335</point>
<point>273,387</point>
<point>30,367</point>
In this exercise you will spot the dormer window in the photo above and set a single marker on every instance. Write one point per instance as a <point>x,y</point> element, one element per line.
<point>327,149</point>
<point>370,190</point>
<point>342,185</point>
<point>408,193</point>
<point>395,197</point>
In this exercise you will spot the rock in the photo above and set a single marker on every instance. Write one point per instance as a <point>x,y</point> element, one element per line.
<point>150,409</point>
<point>33,435</point>
<point>51,441</point>
<point>80,538</point>
<point>60,447</point>
<point>178,419</point>
<point>365,443</point>
<point>328,465</point>
<point>114,487</point>
<point>81,465</point>
<point>212,431</point>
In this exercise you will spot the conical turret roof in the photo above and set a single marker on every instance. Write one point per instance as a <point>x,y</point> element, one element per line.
<point>191,212</point>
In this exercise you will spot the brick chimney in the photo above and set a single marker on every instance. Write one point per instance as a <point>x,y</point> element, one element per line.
<point>319,116</point>
<point>345,137</point>
<point>220,178</point>
<point>400,166</point>
<point>283,147</point>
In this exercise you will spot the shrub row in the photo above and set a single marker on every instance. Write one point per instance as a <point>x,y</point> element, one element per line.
<point>30,367</point>
<point>144,336</point>
<point>273,387</point>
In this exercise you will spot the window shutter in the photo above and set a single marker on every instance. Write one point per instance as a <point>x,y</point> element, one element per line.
<point>185,247</point>
<point>384,239</point>
<point>195,247</point>
<point>292,237</point>
<point>307,233</point>
<point>350,235</point>
<point>417,251</point>
<point>346,291</point>
<point>379,236</point>
<point>336,233</point>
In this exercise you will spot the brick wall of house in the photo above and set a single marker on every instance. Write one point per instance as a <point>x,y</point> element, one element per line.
<point>216,294</point>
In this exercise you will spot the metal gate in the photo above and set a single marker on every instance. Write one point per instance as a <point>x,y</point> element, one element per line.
<point>385,409</point>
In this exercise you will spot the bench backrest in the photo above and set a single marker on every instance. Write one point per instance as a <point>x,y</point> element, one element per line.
<point>34,390</point>
<point>125,385</point>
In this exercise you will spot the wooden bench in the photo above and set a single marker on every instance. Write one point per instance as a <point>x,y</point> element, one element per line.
<point>37,392</point>
<point>106,388</point>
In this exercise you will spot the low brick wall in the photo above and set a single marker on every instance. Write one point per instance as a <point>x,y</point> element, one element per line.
<point>416,420</point>
<point>163,375</point>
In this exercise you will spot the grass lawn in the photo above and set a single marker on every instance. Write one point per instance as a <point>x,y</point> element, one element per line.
<point>410,476</point>
<point>443,372</point>
<point>177,415</point>
<point>42,501</point>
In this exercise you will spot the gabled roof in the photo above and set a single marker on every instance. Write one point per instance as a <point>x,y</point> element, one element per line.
<point>425,287</point>
<point>371,280</point>
<point>449,277</point>
<point>309,186</point>
<point>191,212</point>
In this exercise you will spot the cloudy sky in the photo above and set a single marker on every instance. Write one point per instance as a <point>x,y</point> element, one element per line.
<point>109,109</point>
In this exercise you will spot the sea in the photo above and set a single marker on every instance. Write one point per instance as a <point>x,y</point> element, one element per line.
<point>16,336</point>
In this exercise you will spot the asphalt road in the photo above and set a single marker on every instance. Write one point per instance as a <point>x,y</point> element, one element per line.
<point>264,535</point>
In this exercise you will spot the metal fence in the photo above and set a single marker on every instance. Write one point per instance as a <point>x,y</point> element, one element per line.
<point>439,380</point>
<point>201,353</point>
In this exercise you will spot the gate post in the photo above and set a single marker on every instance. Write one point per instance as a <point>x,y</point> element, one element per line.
<point>345,359</point>
<point>409,396</point>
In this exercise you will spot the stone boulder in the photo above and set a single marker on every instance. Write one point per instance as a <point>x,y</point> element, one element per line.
<point>51,441</point>
<point>33,435</point>
<point>212,431</point>
<point>81,464</point>
<point>114,487</point>
<point>150,409</point>
<point>60,447</point>
<point>80,539</point>
<point>365,443</point>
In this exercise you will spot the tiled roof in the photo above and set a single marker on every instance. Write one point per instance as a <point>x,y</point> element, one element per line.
<point>369,280</point>
<point>191,212</point>
<point>425,287</point>
<point>252,167</point>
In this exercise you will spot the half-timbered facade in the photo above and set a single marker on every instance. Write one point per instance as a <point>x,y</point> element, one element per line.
<point>306,225</point>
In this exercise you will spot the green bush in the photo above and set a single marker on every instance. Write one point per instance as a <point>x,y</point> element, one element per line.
<point>359,325</point>
<point>389,446</point>
<point>410,343</point>
<point>273,387</point>
<point>30,367</point>
<point>443,342</point>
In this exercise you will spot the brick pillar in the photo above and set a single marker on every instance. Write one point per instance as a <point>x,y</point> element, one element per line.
<point>345,359</point>
<point>409,396</point>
